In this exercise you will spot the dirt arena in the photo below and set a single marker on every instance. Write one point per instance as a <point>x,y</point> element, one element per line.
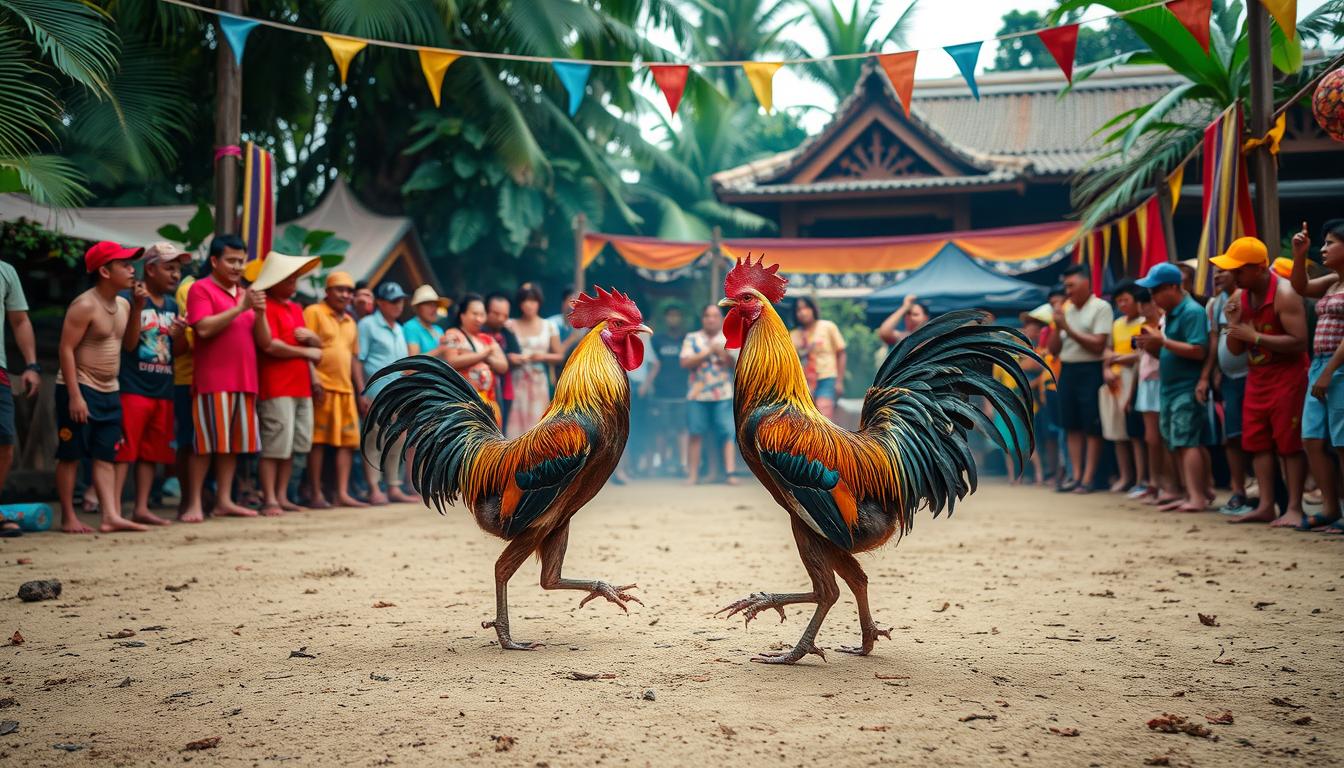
<point>1029,629</point>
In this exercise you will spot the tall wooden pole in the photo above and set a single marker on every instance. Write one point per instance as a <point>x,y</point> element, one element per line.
<point>580,230</point>
<point>228,122</point>
<point>715,264</point>
<point>1263,166</point>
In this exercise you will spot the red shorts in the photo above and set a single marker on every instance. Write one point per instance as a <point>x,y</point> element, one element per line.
<point>1271,415</point>
<point>147,430</point>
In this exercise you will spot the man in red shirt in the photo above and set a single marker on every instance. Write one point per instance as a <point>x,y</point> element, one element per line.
<point>285,369</point>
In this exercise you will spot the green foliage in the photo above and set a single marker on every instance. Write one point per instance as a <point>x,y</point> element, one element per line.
<point>298,241</point>
<point>862,346</point>
<point>846,33</point>
<point>26,243</point>
<point>200,227</point>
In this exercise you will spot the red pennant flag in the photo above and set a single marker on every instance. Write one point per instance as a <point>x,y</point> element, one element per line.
<point>671,79</point>
<point>1155,240</point>
<point>900,69</point>
<point>1194,16</point>
<point>1062,43</point>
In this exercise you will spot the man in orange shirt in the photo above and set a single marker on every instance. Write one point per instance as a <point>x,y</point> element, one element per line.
<point>339,377</point>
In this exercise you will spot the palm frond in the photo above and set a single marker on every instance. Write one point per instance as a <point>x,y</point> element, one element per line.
<point>28,109</point>
<point>48,179</point>
<point>75,37</point>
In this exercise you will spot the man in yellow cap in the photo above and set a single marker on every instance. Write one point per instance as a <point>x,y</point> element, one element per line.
<point>1267,320</point>
<point>339,377</point>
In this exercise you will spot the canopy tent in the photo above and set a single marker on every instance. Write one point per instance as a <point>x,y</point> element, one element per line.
<point>953,280</point>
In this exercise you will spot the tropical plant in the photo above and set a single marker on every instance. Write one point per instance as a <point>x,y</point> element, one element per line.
<point>739,30</point>
<point>199,228</point>
<point>843,33</point>
<point>299,241</point>
<point>1028,52</point>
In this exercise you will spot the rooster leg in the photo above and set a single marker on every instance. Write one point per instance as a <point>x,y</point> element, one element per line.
<point>553,559</point>
<point>848,568</point>
<point>513,556</point>
<point>825,592</point>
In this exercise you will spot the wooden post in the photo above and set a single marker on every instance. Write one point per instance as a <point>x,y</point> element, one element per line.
<point>228,122</point>
<point>580,230</point>
<point>1168,228</point>
<point>715,264</point>
<point>1263,166</point>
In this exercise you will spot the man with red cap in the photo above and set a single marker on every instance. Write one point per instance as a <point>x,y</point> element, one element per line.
<point>88,407</point>
<point>1267,320</point>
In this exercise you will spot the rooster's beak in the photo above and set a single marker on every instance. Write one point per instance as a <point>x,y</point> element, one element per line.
<point>643,329</point>
<point>726,303</point>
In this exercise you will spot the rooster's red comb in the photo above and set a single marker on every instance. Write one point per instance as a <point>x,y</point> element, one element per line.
<point>590,310</point>
<point>748,275</point>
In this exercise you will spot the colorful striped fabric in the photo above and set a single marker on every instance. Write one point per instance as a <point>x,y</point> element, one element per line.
<point>1227,197</point>
<point>226,422</point>
<point>258,201</point>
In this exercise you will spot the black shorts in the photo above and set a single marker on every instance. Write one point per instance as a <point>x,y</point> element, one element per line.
<point>7,433</point>
<point>1079,403</point>
<point>97,438</point>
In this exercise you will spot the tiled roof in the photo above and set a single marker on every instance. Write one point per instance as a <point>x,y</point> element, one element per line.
<point>997,176</point>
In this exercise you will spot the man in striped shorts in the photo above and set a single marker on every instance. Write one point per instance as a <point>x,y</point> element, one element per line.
<point>229,323</point>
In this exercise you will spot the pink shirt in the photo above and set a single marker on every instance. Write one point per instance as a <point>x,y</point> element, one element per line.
<point>227,361</point>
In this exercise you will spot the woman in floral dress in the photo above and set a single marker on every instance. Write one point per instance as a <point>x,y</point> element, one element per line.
<point>540,347</point>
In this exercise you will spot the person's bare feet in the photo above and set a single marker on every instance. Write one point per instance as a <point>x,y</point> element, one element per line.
<point>290,506</point>
<point>690,481</point>
<point>271,510</point>
<point>191,515</point>
<point>401,497</point>
<point>319,502</point>
<point>1257,515</point>
<point>731,480</point>
<point>345,500</point>
<point>1171,505</point>
<point>149,518</point>
<point>112,524</point>
<point>377,498</point>
<point>1120,486</point>
<point>1290,519</point>
<point>1195,505</point>
<point>73,525</point>
<point>226,508</point>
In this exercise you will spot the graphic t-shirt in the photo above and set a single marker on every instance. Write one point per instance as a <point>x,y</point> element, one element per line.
<point>148,371</point>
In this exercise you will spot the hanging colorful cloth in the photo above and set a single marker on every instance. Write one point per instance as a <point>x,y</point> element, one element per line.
<point>258,202</point>
<point>1227,202</point>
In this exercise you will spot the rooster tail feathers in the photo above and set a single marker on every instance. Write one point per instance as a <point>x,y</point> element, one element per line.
<point>440,416</point>
<point>921,406</point>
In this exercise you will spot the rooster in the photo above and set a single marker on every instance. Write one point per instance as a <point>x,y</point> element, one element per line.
<point>523,490</point>
<point>849,492</point>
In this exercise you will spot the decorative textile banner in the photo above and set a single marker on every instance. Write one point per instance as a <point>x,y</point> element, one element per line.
<point>1123,231</point>
<point>900,69</point>
<point>258,200</point>
<point>434,64</point>
<point>343,49</point>
<point>575,79</point>
<point>645,252</point>
<point>1154,236</point>
<point>761,75</point>
<point>1194,15</point>
<point>1285,15</point>
<point>1174,184</point>
<point>965,55</point>
<point>671,80</point>
<point>236,31</point>
<point>1062,43</point>
<point>1224,217</point>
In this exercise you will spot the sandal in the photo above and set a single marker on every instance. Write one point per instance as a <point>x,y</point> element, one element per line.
<point>1335,528</point>
<point>1312,522</point>
<point>9,529</point>
<point>1067,487</point>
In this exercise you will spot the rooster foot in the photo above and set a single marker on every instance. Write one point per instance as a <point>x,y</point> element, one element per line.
<point>870,635</point>
<point>615,595</point>
<point>506,642</point>
<point>789,657</point>
<point>752,605</point>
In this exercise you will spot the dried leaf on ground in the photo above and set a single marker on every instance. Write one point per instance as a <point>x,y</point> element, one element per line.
<point>16,638</point>
<point>977,716</point>
<point>944,608</point>
<point>1220,718</point>
<point>384,604</point>
<point>207,743</point>
<point>1207,619</point>
<point>593,676</point>
<point>1064,731</point>
<point>123,633</point>
<point>1169,723</point>
<point>878,728</point>
<point>727,732</point>
<point>1280,702</point>
<point>1157,760</point>
<point>881,676</point>
<point>1304,720</point>
<point>504,743</point>
<point>302,653</point>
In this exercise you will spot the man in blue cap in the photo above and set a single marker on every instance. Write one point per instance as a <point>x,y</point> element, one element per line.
<point>1181,346</point>
<point>381,343</point>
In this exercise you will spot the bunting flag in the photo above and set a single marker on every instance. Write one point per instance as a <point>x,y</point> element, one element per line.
<point>1222,225</point>
<point>1106,243</point>
<point>434,64</point>
<point>671,80</point>
<point>1194,15</point>
<point>258,200</point>
<point>1141,228</point>
<point>1098,263</point>
<point>1174,184</point>
<point>900,69</point>
<point>236,31</point>
<point>592,246</point>
<point>761,75</point>
<point>1285,15</point>
<point>1062,43</point>
<point>966,55</point>
<point>343,49</point>
<point>1154,236</point>
<point>574,77</point>
<point>1124,242</point>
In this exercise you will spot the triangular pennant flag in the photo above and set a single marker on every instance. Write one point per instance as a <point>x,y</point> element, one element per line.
<point>1124,242</point>
<point>434,64</point>
<point>343,49</point>
<point>1174,183</point>
<point>761,75</point>
<point>1106,244</point>
<point>966,55</point>
<point>235,31</point>
<point>1194,16</point>
<point>900,69</point>
<point>1062,43</point>
<point>1285,15</point>
<point>1141,227</point>
<point>671,80</point>
<point>574,77</point>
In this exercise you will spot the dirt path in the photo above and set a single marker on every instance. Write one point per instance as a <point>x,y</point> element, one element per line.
<point>1025,614</point>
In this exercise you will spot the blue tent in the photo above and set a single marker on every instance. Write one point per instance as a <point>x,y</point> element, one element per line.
<point>953,280</point>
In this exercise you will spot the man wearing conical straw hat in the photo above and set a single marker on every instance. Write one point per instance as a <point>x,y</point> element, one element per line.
<point>286,370</point>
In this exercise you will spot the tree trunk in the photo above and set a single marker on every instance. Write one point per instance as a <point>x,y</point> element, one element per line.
<point>228,119</point>
<point>1263,166</point>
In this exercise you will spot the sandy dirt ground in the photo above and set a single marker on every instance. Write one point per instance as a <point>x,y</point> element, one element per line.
<point>1029,629</point>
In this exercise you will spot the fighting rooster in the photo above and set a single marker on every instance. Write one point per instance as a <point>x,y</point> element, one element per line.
<point>523,490</point>
<point>848,492</point>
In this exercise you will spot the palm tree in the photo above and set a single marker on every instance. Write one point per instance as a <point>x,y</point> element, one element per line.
<point>843,33</point>
<point>739,30</point>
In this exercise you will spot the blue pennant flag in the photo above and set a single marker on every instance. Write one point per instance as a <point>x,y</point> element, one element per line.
<point>235,31</point>
<point>966,55</point>
<point>574,77</point>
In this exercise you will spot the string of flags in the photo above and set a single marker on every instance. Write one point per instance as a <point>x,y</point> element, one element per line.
<point>1060,41</point>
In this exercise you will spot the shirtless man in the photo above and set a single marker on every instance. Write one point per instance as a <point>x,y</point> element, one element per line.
<point>88,404</point>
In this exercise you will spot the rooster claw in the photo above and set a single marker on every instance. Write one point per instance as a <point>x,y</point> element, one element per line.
<point>508,643</point>
<point>615,595</point>
<point>790,656</point>
<point>752,605</point>
<point>870,635</point>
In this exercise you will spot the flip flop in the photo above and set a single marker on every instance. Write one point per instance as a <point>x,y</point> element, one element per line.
<point>1312,522</point>
<point>1067,487</point>
<point>1336,528</point>
<point>10,530</point>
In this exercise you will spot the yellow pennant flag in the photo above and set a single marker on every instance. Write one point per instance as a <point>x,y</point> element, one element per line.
<point>1141,222</point>
<point>1285,15</point>
<point>761,74</point>
<point>1124,242</point>
<point>343,49</point>
<point>434,64</point>
<point>1174,183</point>
<point>1106,245</point>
